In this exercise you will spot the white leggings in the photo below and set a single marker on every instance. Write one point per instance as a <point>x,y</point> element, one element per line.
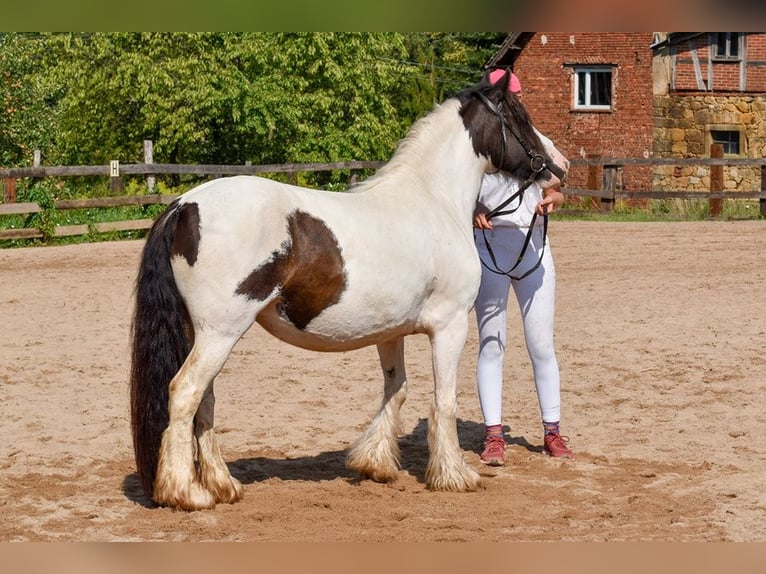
<point>536,298</point>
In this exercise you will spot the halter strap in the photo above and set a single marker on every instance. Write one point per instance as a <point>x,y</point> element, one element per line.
<point>520,193</point>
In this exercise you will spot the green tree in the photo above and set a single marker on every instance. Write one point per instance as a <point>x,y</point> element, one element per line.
<point>441,64</point>
<point>447,62</point>
<point>179,90</point>
<point>225,97</point>
<point>228,98</point>
<point>331,96</point>
<point>27,113</point>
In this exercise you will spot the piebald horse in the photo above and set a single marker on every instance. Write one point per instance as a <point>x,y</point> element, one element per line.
<point>324,271</point>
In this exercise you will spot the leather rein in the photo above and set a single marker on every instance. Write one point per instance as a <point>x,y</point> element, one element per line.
<point>538,164</point>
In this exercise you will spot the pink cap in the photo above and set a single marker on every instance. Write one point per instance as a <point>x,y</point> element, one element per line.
<point>514,85</point>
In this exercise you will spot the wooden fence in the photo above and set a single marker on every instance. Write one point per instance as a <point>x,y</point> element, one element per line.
<point>115,171</point>
<point>607,194</point>
<point>609,191</point>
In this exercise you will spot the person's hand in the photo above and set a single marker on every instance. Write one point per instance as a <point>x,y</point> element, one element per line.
<point>480,219</point>
<point>553,199</point>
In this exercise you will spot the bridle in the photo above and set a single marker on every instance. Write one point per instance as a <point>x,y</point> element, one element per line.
<point>537,161</point>
<point>538,164</point>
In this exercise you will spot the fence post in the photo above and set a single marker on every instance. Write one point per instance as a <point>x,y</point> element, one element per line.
<point>593,178</point>
<point>9,190</point>
<point>115,180</point>
<point>716,181</point>
<point>762,200</point>
<point>610,185</point>
<point>36,162</point>
<point>149,159</point>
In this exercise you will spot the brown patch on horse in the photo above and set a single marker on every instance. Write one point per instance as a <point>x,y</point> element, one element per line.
<point>308,270</point>
<point>186,238</point>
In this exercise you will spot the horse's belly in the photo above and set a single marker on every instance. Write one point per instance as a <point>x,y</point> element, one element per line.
<point>322,335</point>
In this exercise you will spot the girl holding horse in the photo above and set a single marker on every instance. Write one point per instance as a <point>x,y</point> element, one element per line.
<point>512,246</point>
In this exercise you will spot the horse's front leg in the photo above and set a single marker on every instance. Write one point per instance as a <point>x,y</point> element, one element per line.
<point>375,454</point>
<point>447,469</point>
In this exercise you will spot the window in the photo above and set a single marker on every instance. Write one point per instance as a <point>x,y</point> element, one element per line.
<point>729,139</point>
<point>593,88</point>
<point>726,45</point>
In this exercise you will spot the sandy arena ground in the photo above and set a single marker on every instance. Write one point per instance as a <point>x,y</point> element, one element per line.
<point>660,337</point>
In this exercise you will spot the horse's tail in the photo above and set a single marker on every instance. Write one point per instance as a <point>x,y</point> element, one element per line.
<point>162,338</point>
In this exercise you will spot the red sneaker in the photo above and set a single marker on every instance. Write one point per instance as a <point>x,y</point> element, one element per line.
<point>494,451</point>
<point>555,446</point>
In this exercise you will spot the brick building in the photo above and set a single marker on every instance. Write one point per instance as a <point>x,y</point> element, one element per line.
<point>709,88</point>
<point>644,94</point>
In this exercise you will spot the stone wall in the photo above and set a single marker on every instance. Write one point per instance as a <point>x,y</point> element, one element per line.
<point>682,125</point>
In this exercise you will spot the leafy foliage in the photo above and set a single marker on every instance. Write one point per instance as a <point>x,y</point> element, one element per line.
<point>27,98</point>
<point>85,98</point>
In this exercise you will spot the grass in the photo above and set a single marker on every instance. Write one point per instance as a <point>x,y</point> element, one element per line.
<point>578,209</point>
<point>661,210</point>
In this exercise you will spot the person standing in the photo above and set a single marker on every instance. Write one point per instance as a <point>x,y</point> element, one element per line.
<point>500,241</point>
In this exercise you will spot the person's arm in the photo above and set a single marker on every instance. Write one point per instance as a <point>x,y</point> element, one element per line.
<point>552,200</point>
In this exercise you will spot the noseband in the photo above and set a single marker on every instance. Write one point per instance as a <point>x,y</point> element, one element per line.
<point>538,164</point>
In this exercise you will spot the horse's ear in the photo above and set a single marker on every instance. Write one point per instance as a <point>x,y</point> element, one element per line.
<point>500,84</point>
<point>484,82</point>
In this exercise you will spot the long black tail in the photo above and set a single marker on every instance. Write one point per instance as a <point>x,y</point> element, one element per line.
<point>162,339</point>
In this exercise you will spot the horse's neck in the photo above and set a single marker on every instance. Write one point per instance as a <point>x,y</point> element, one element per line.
<point>436,160</point>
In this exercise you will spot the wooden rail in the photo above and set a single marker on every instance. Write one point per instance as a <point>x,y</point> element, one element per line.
<point>607,194</point>
<point>115,171</point>
<point>182,169</point>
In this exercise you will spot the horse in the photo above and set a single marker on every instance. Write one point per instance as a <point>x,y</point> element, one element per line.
<point>325,271</point>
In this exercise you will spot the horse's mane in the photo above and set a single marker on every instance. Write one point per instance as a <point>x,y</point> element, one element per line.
<point>429,130</point>
<point>522,121</point>
<point>418,140</point>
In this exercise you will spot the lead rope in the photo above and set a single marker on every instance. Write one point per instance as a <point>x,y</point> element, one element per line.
<point>527,241</point>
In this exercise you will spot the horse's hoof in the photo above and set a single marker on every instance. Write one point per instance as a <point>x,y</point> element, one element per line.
<point>228,493</point>
<point>193,497</point>
<point>377,472</point>
<point>382,476</point>
<point>468,480</point>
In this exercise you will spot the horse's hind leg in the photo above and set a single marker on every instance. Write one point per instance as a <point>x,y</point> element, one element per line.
<point>213,472</point>
<point>447,469</point>
<point>375,454</point>
<point>177,483</point>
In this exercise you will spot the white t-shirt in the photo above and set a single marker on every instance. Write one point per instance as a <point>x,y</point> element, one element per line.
<point>497,187</point>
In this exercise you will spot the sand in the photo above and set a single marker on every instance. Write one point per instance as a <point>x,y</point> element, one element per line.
<point>660,337</point>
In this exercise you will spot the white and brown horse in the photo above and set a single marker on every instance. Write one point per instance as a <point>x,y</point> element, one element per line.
<point>327,272</point>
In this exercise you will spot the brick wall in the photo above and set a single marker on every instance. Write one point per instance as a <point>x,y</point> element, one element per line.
<point>695,63</point>
<point>545,69</point>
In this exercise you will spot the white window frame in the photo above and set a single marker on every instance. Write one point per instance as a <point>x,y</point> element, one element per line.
<point>583,73</point>
<point>727,56</point>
